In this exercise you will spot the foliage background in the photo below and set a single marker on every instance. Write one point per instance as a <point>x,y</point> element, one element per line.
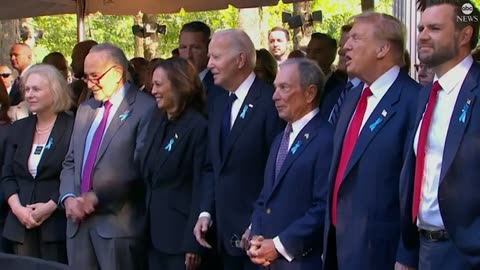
<point>60,31</point>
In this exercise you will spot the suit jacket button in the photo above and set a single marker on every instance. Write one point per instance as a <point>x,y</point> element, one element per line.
<point>268,211</point>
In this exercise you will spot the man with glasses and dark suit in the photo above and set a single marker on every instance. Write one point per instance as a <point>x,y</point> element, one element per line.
<point>101,187</point>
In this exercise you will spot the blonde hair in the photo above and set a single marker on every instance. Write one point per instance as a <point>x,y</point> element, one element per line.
<point>61,91</point>
<point>387,28</point>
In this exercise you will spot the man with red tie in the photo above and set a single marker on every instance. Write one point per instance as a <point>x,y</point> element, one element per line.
<point>362,229</point>
<point>440,209</point>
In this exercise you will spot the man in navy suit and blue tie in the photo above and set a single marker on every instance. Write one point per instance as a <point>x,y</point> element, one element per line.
<point>362,229</point>
<point>193,46</point>
<point>287,223</point>
<point>439,182</point>
<point>242,126</point>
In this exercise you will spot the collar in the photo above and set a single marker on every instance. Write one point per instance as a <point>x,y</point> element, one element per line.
<point>203,73</point>
<point>242,90</point>
<point>298,125</point>
<point>381,85</point>
<point>27,68</point>
<point>355,81</point>
<point>119,95</point>
<point>455,75</point>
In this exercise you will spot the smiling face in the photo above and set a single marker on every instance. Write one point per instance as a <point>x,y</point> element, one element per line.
<point>102,76</point>
<point>38,94</point>
<point>162,91</point>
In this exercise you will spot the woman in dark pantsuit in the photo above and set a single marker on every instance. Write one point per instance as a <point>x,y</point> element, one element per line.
<point>36,148</point>
<point>172,163</point>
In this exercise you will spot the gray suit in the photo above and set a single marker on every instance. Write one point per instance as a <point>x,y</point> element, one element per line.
<point>111,237</point>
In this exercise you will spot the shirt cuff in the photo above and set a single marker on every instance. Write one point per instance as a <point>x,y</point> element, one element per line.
<point>65,197</point>
<point>281,249</point>
<point>207,215</point>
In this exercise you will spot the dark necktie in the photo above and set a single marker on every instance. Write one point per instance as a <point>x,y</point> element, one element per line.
<point>283,150</point>
<point>15,95</point>
<point>348,144</point>
<point>226,121</point>
<point>336,109</point>
<point>93,151</point>
<point>421,147</point>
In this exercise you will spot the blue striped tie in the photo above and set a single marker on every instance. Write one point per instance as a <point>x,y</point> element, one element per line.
<point>283,150</point>
<point>336,109</point>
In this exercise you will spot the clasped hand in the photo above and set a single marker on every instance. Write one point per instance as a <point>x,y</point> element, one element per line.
<point>77,208</point>
<point>33,215</point>
<point>262,251</point>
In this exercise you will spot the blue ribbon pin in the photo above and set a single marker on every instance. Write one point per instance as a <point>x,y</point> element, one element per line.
<point>295,147</point>
<point>463,116</point>
<point>244,111</point>
<point>375,124</point>
<point>169,146</point>
<point>49,144</point>
<point>124,116</point>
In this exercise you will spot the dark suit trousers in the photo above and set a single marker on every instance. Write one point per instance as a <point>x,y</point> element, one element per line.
<point>88,250</point>
<point>441,255</point>
<point>159,260</point>
<point>33,246</point>
<point>238,263</point>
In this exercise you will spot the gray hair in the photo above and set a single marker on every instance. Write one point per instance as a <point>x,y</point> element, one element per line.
<point>240,42</point>
<point>113,54</point>
<point>309,73</point>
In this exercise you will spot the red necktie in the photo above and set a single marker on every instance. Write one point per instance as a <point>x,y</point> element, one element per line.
<point>348,145</point>
<point>422,143</point>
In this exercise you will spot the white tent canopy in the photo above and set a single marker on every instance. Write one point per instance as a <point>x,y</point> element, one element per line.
<point>32,8</point>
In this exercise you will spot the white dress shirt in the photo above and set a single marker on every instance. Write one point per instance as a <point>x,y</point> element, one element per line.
<point>379,88</point>
<point>241,93</point>
<point>297,126</point>
<point>429,217</point>
<point>202,74</point>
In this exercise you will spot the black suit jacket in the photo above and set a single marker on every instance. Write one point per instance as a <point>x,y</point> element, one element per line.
<point>15,95</point>
<point>333,88</point>
<point>171,163</point>
<point>4,131</point>
<point>213,91</point>
<point>44,187</point>
<point>237,178</point>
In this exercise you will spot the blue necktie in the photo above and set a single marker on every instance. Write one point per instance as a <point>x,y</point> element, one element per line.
<point>283,150</point>
<point>336,109</point>
<point>226,121</point>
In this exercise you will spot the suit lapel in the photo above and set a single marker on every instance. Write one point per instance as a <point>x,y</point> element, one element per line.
<point>245,114</point>
<point>382,113</point>
<point>86,119</point>
<point>117,121</point>
<point>55,137</point>
<point>301,142</point>
<point>180,131</point>
<point>216,123</point>
<point>26,143</point>
<point>460,118</point>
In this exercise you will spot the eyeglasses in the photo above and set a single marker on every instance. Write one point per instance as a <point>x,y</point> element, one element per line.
<point>96,80</point>
<point>5,75</point>
<point>419,66</point>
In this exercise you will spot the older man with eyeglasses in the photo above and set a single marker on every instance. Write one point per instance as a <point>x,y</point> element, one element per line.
<point>101,188</point>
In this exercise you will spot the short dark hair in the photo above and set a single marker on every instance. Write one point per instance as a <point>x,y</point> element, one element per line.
<point>197,27</point>
<point>459,24</point>
<point>331,42</point>
<point>187,87</point>
<point>346,28</point>
<point>282,29</point>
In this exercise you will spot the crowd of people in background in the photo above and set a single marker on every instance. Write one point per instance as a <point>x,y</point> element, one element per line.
<point>227,157</point>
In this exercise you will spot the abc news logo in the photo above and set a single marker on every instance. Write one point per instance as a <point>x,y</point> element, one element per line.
<point>467,9</point>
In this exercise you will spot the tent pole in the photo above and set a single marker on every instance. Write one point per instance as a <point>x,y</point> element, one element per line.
<point>80,20</point>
